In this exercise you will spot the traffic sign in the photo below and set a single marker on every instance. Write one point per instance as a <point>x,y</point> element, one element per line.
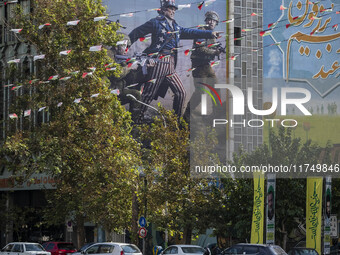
<point>142,232</point>
<point>142,221</point>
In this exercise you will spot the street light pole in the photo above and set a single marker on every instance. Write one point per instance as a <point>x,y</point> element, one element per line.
<point>134,98</point>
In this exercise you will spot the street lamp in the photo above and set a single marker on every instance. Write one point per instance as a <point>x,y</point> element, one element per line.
<point>134,98</point>
<point>166,204</point>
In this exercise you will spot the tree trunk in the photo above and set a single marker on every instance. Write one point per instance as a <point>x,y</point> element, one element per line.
<point>187,234</point>
<point>80,230</point>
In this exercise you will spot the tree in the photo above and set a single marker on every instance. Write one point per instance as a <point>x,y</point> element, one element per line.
<point>176,202</point>
<point>86,144</point>
<point>290,195</point>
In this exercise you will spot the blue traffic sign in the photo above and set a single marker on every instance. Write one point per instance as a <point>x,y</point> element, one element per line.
<point>142,221</point>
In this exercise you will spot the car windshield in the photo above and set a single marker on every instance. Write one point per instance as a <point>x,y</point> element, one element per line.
<point>130,248</point>
<point>192,250</point>
<point>304,252</point>
<point>65,246</point>
<point>34,247</point>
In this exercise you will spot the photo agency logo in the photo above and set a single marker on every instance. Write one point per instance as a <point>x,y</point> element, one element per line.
<point>288,96</point>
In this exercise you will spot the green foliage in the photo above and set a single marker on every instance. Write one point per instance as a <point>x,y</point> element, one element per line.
<point>87,147</point>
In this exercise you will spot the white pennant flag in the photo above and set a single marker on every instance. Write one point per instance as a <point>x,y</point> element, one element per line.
<point>77,100</point>
<point>14,61</point>
<point>95,95</point>
<point>99,18</point>
<point>42,108</point>
<point>38,57</point>
<point>181,6</point>
<point>73,23</point>
<point>127,15</point>
<point>27,113</point>
<point>115,91</point>
<point>96,48</point>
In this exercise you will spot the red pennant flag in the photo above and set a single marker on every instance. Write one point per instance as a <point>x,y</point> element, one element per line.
<point>288,25</point>
<point>186,53</point>
<point>282,7</point>
<point>335,27</point>
<point>262,33</point>
<point>142,39</point>
<point>200,5</point>
<point>294,18</point>
<point>130,64</point>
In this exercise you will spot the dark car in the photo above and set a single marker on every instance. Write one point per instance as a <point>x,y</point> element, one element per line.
<point>59,248</point>
<point>258,249</point>
<point>302,251</point>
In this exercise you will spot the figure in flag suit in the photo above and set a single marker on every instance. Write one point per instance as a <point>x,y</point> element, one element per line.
<point>165,36</point>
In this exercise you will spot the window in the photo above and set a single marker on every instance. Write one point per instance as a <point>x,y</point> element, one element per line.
<point>234,250</point>
<point>130,248</point>
<point>8,248</point>
<point>17,248</point>
<point>66,246</point>
<point>167,251</point>
<point>237,34</point>
<point>193,250</point>
<point>106,248</point>
<point>34,247</point>
<point>92,250</point>
<point>250,250</point>
<point>174,250</point>
<point>50,246</point>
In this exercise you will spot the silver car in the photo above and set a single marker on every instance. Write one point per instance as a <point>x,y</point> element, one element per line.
<point>20,248</point>
<point>112,249</point>
<point>184,249</point>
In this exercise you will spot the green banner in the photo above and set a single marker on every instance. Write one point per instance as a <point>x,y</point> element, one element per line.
<point>258,210</point>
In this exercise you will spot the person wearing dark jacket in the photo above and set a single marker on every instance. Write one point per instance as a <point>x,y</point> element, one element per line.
<point>165,36</point>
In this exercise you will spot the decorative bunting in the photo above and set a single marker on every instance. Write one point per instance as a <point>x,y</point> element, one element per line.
<point>96,48</point>
<point>200,43</point>
<point>272,25</point>
<point>74,72</point>
<point>227,21</point>
<point>315,17</point>
<point>233,57</point>
<point>8,85</point>
<point>288,25</point>
<point>152,81</point>
<point>247,30</point>
<point>214,63</point>
<point>153,54</point>
<point>17,31</point>
<point>335,27</point>
<point>77,100</point>
<point>212,45</point>
<point>11,2</point>
<point>124,42</point>
<point>52,78</point>
<point>144,39</point>
<point>186,52</point>
<point>106,65</point>
<point>132,85</point>
<point>115,92</point>
<point>130,60</point>
<point>111,69</point>
<point>154,9</point>
<point>38,57</point>
<point>170,75</point>
<point>59,104</point>
<point>282,7</point>
<point>182,6</point>
<point>42,108</point>
<point>166,56</point>
<point>87,74</point>
<point>326,10</point>
<point>200,5</point>
<point>13,116</point>
<point>16,88</point>
<point>127,15</point>
<point>42,26</point>
<point>27,113</point>
<point>14,61</point>
<point>65,78</point>
<point>202,25</point>
<point>95,95</point>
<point>73,22</point>
<point>100,18</point>
<point>265,33</point>
<point>173,32</point>
<point>209,2</point>
<point>33,81</point>
<point>65,52</point>
<point>92,68</point>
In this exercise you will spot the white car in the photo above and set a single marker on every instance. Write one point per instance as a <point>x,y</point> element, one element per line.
<point>184,249</point>
<point>112,248</point>
<point>19,248</point>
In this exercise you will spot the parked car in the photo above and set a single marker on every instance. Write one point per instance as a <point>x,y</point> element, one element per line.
<point>59,248</point>
<point>302,251</point>
<point>83,248</point>
<point>259,249</point>
<point>184,249</point>
<point>113,248</point>
<point>20,248</point>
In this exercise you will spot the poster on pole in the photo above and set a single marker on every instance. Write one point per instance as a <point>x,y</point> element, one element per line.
<point>271,192</point>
